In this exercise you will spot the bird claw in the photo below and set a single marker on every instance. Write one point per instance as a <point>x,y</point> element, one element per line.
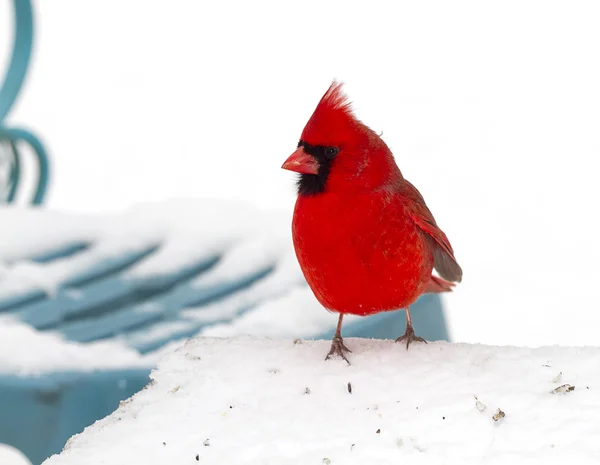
<point>409,336</point>
<point>338,348</point>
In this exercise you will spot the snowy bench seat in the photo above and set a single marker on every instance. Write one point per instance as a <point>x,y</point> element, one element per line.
<point>273,401</point>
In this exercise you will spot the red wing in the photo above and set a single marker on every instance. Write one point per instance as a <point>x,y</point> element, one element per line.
<point>443,255</point>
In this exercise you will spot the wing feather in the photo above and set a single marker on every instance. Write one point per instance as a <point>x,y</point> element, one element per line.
<point>444,261</point>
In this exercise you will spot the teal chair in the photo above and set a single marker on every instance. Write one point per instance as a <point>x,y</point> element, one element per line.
<point>15,142</point>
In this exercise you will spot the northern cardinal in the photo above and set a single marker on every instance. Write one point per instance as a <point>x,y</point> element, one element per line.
<point>364,238</point>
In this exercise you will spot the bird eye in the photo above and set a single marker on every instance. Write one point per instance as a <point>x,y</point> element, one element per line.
<point>331,152</point>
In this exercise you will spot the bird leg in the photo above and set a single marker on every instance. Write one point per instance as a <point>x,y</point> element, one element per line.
<point>337,344</point>
<point>409,334</point>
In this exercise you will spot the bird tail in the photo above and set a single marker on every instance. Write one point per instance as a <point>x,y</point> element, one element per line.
<point>437,285</point>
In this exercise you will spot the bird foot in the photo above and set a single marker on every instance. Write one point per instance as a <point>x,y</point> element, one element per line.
<point>409,336</point>
<point>338,348</point>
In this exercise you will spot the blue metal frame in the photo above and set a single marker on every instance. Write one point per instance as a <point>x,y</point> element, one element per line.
<point>16,136</point>
<point>13,81</point>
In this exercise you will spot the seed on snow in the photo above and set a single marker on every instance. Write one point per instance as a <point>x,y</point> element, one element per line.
<point>563,389</point>
<point>498,415</point>
<point>557,378</point>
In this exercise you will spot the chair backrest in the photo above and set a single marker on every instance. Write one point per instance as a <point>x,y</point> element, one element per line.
<point>13,140</point>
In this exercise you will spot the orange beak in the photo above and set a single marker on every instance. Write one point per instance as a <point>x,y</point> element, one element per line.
<point>301,162</point>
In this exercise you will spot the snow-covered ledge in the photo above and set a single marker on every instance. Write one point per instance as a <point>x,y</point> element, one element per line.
<point>262,401</point>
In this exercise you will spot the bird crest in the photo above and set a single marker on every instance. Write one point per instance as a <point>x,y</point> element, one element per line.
<point>335,99</point>
<point>332,115</point>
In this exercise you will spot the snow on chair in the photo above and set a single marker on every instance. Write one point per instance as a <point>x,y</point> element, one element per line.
<point>13,141</point>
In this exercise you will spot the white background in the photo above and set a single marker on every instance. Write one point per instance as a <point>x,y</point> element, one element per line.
<point>492,111</point>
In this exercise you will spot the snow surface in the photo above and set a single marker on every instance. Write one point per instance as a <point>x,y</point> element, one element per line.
<point>263,401</point>
<point>25,351</point>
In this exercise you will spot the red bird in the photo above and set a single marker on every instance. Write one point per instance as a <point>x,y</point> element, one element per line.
<point>364,238</point>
